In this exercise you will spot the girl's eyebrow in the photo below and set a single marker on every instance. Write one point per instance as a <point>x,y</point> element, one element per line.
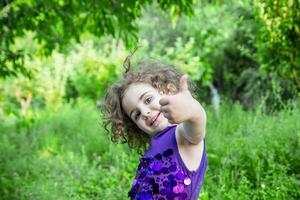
<point>141,97</point>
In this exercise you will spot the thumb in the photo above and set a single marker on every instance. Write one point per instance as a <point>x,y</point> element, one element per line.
<point>164,101</point>
<point>183,85</point>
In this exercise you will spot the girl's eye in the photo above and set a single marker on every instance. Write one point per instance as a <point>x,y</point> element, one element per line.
<point>148,100</point>
<point>136,117</point>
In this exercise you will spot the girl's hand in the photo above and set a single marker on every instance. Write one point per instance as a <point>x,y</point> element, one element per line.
<point>181,106</point>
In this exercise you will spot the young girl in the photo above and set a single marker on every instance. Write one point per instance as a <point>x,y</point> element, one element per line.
<point>153,107</point>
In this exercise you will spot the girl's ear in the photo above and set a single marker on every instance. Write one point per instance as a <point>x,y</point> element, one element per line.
<point>171,89</point>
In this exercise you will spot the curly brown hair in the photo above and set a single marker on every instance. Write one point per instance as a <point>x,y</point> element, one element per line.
<point>165,78</point>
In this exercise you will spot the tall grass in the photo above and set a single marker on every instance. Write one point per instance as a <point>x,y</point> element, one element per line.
<point>253,155</point>
<point>68,155</point>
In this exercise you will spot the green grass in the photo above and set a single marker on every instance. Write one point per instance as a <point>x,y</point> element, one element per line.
<point>252,155</point>
<point>68,155</point>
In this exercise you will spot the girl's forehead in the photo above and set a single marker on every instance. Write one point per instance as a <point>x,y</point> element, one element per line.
<point>134,90</point>
<point>138,87</point>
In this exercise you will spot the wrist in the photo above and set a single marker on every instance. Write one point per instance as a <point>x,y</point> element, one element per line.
<point>197,112</point>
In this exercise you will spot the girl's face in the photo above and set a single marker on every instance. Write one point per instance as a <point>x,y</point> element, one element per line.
<point>141,104</point>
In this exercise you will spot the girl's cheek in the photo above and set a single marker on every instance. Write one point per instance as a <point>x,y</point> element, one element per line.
<point>156,101</point>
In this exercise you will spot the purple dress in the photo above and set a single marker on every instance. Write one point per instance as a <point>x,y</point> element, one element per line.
<point>162,174</point>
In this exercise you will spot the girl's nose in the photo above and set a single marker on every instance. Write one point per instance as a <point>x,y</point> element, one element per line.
<point>146,115</point>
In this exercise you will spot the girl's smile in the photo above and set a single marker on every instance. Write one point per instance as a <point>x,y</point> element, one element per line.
<point>156,120</point>
<point>141,103</point>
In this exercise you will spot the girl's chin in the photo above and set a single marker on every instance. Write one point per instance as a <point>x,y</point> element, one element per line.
<point>164,123</point>
<point>161,127</point>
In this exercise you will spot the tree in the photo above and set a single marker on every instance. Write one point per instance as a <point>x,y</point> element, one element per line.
<point>278,39</point>
<point>57,23</point>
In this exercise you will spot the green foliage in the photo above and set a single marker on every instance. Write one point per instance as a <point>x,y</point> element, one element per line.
<point>86,71</point>
<point>184,56</point>
<point>194,44</point>
<point>248,154</point>
<point>279,35</point>
<point>95,66</point>
<point>46,85</point>
<point>57,23</point>
<point>63,155</point>
<point>198,44</point>
<point>225,44</point>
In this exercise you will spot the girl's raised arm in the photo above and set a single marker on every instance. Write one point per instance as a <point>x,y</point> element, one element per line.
<point>187,112</point>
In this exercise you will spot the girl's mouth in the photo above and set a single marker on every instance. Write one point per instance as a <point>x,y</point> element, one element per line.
<point>155,119</point>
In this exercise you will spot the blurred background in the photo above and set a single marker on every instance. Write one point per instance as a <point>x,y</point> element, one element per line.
<point>57,58</point>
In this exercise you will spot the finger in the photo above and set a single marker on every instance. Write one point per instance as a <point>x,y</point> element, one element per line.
<point>170,120</point>
<point>164,101</point>
<point>167,115</point>
<point>183,84</point>
<point>165,108</point>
